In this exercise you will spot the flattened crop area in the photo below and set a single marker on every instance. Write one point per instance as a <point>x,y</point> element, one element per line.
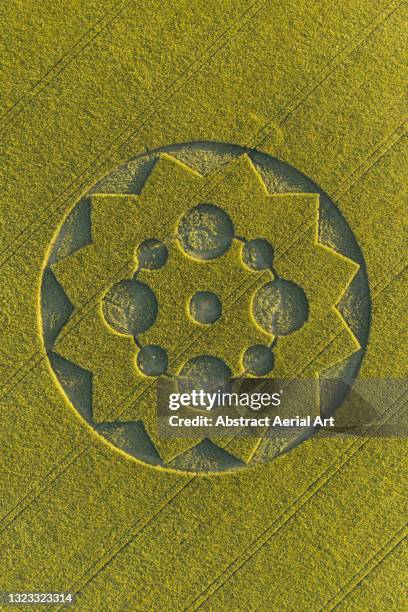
<point>187,180</point>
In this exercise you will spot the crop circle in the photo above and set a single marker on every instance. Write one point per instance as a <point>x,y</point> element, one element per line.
<point>258,360</point>
<point>152,360</point>
<point>207,373</point>
<point>258,254</point>
<point>205,232</point>
<point>152,254</point>
<point>130,307</point>
<point>280,307</point>
<point>128,310</point>
<point>205,307</point>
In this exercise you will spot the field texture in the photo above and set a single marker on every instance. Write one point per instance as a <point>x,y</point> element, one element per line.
<point>116,120</point>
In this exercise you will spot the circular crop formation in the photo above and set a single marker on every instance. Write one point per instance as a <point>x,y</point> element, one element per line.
<point>129,339</point>
<point>257,254</point>
<point>206,232</point>
<point>259,360</point>
<point>205,307</point>
<point>205,372</point>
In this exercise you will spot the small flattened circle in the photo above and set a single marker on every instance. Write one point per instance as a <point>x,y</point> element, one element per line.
<point>258,360</point>
<point>205,373</point>
<point>205,232</point>
<point>257,254</point>
<point>130,307</point>
<point>205,307</point>
<point>280,307</point>
<point>152,254</point>
<point>152,360</point>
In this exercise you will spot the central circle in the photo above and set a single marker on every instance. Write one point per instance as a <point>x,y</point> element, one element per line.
<point>205,307</point>
<point>205,231</point>
<point>258,254</point>
<point>258,360</point>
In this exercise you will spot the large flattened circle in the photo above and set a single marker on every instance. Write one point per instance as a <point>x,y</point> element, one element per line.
<point>130,307</point>
<point>205,231</point>
<point>75,233</point>
<point>280,307</point>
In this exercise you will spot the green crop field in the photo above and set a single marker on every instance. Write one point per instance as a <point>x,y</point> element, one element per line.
<point>202,188</point>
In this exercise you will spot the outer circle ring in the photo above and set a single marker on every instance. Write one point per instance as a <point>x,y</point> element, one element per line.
<point>130,177</point>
